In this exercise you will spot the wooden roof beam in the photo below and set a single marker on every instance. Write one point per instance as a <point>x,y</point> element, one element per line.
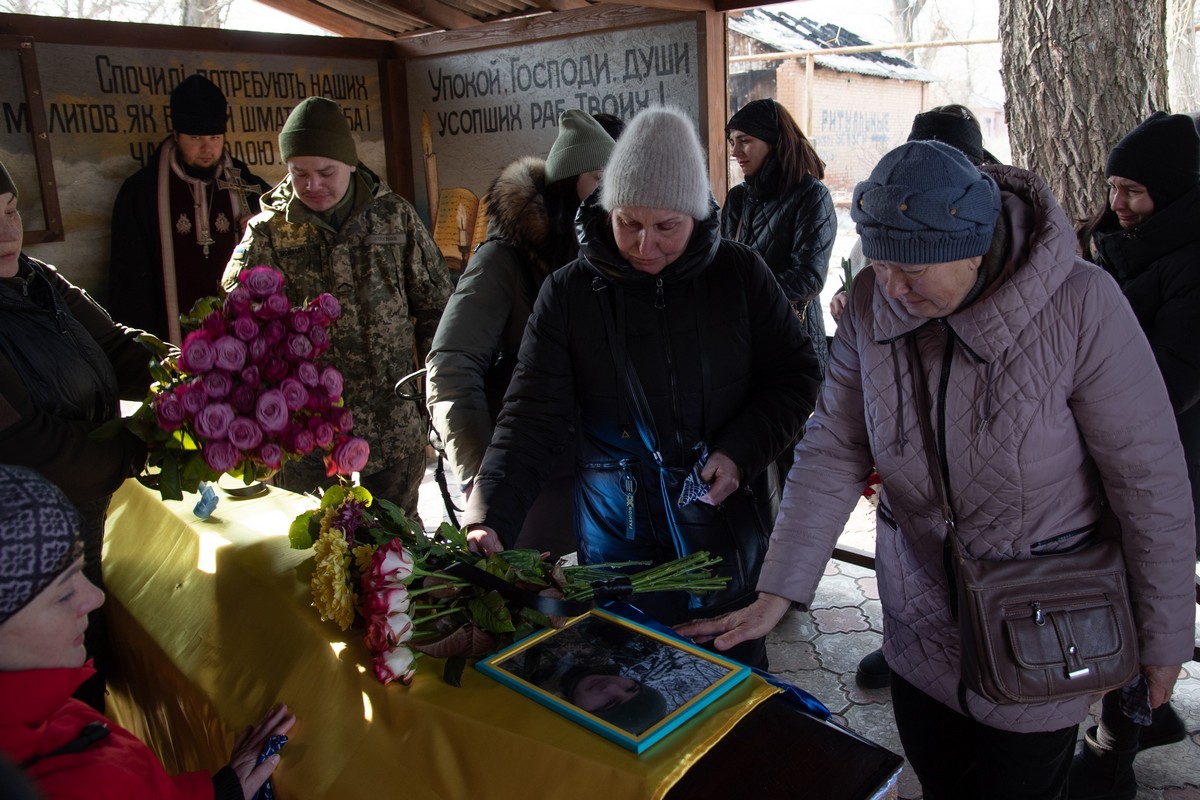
<point>331,20</point>
<point>438,15</point>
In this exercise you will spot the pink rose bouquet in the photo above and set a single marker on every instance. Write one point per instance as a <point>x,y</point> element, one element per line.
<point>245,392</point>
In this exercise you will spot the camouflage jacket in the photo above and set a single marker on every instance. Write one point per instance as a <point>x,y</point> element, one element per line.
<point>392,282</point>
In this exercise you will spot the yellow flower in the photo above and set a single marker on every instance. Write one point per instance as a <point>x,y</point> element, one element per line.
<point>363,554</point>
<point>333,595</point>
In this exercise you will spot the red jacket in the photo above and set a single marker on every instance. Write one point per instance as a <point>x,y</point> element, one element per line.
<point>38,716</point>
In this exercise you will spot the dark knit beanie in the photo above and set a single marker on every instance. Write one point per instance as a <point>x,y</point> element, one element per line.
<point>1162,154</point>
<point>582,146</point>
<point>198,107</point>
<point>759,118</point>
<point>6,182</point>
<point>317,127</point>
<point>925,203</point>
<point>39,536</point>
<point>658,163</point>
<point>955,128</point>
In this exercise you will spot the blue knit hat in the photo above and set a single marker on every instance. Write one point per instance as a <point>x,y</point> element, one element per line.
<point>925,203</point>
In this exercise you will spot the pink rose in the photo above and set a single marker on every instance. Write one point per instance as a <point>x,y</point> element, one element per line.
<point>258,349</point>
<point>385,631</point>
<point>250,376</point>
<point>273,307</point>
<point>169,411</point>
<point>298,320</point>
<point>294,393</point>
<point>331,382</point>
<point>214,324</point>
<point>303,442</point>
<point>193,396</point>
<point>244,434</point>
<point>299,347</point>
<point>320,340</point>
<point>217,384</point>
<point>238,300</point>
<point>341,419</point>
<point>244,327</point>
<point>220,456</point>
<point>307,373</point>
<point>242,399</point>
<point>271,411</point>
<point>349,455</point>
<point>395,665</point>
<point>271,455</point>
<point>391,565</point>
<point>261,281</point>
<point>213,421</point>
<point>390,598</point>
<point>322,432</point>
<point>196,354</point>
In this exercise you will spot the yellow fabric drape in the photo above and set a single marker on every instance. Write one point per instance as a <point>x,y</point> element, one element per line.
<point>212,625</point>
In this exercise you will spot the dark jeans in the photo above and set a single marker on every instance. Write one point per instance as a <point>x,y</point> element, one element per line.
<point>957,758</point>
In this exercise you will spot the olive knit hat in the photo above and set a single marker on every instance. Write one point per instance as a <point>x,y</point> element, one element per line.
<point>317,127</point>
<point>582,146</point>
<point>1162,154</point>
<point>198,107</point>
<point>39,536</point>
<point>925,203</point>
<point>6,181</point>
<point>658,163</point>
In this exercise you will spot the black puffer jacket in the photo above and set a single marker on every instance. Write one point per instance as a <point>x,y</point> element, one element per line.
<point>793,230</point>
<point>1157,265</point>
<point>721,357</point>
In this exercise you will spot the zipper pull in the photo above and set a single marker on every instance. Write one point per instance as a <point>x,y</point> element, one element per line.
<point>659,300</point>
<point>1038,617</point>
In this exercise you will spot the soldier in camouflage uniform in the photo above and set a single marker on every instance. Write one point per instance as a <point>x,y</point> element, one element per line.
<point>333,226</point>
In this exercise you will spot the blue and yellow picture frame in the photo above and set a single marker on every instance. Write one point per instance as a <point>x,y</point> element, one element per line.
<point>624,681</point>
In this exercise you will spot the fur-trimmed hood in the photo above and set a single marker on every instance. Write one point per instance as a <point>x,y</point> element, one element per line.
<point>517,212</point>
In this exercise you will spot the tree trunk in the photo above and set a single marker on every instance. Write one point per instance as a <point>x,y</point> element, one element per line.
<point>1079,75</point>
<point>1181,45</point>
<point>904,19</point>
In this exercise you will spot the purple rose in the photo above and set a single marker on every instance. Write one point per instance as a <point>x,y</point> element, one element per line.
<point>250,376</point>
<point>245,327</point>
<point>322,432</point>
<point>261,281</point>
<point>299,321</point>
<point>217,384</point>
<point>212,422</point>
<point>271,411</point>
<point>231,353</point>
<point>238,300</point>
<point>331,382</point>
<point>196,354</point>
<point>273,307</point>
<point>193,396</point>
<point>294,393</point>
<point>274,332</point>
<point>243,399</point>
<point>271,455</point>
<point>328,305</point>
<point>320,339</point>
<point>303,442</point>
<point>349,455</point>
<point>220,456</point>
<point>169,411</point>
<point>318,399</point>
<point>299,347</point>
<point>258,350</point>
<point>214,324</point>
<point>307,373</point>
<point>244,434</point>
<point>341,419</point>
<point>276,370</point>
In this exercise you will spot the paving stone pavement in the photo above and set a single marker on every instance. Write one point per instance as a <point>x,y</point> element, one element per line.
<point>818,650</point>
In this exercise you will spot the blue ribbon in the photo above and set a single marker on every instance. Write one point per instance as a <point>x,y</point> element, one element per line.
<point>274,745</point>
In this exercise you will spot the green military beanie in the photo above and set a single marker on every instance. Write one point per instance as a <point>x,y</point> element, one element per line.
<point>317,127</point>
<point>582,146</point>
<point>6,182</point>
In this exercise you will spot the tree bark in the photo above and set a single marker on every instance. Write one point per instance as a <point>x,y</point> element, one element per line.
<point>1181,44</point>
<point>904,19</point>
<point>1078,75</point>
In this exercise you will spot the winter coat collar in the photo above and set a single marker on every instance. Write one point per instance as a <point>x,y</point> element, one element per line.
<point>766,183</point>
<point>1129,253</point>
<point>517,212</point>
<point>31,698</point>
<point>598,248</point>
<point>369,187</point>
<point>1041,243</point>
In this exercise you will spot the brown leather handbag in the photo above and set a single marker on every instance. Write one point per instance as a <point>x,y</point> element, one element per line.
<point>1040,629</point>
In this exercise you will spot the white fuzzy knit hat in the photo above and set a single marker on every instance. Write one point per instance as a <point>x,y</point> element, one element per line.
<point>658,163</point>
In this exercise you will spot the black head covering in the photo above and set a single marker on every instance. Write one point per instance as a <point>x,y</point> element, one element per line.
<point>198,107</point>
<point>1162,154</point>
<point>759,118</point>
<point>956,126</point>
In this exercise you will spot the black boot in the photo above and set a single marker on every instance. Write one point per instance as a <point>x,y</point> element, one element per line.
<point>1101,774</point>
<point>1165,728</point>
<point>873,671</point>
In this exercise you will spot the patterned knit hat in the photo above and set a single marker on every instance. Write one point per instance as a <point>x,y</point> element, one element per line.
<point>6,182</point>
<point>1162,154</point>
<point>198,107</point>
<point>759,118</point>
<point>39,536</point>
<point>317,127</point>
<point>925,203</point>
<point>658,164</point>
<point>582,146</point>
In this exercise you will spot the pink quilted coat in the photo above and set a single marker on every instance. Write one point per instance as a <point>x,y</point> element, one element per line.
<point>1047,391</point>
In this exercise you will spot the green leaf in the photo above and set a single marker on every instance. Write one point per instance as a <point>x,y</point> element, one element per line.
<point>168,482</point>
<point>453,672</point>
<point>392,516</point>
<point>452,535</point>
<point>490,613</point>
<point>108,430</point>
<point>334,496</point>
<point>300,534</point>
<point>155,345</point>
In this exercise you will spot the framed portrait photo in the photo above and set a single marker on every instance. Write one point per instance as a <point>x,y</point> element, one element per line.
<point>622,680</point>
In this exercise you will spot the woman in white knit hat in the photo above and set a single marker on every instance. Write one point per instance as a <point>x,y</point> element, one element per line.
<point>684,365</point>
